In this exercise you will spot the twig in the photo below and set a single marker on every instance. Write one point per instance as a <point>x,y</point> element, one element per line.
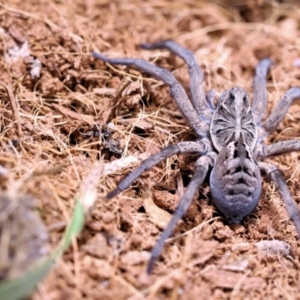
<point>14,106</point>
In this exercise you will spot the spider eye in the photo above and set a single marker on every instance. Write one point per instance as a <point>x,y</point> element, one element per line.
<point>231,96</point>
<point>245,100</point>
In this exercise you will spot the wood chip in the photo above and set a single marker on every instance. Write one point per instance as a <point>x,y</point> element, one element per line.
<point>274,247</point>
<point>158,216</point>
<point>228,280</point>
<point>74,115</point>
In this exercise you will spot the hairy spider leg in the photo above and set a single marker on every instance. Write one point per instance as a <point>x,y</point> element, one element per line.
<point>210,99</point>
<point>275,175</point>
<point>271,123</point>
<point>180,148</point>
<point>195,120</point>
<point>202,167</point>
<point>259,104</point>
<point>279,148</point>
<point>196,75</point>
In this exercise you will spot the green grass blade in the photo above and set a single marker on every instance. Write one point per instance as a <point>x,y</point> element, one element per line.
<point>22,286</point>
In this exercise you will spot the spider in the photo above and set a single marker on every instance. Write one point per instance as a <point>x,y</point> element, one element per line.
<point>230,141</point>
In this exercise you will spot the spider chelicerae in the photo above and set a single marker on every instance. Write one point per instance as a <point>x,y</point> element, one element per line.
<point>230,141</point>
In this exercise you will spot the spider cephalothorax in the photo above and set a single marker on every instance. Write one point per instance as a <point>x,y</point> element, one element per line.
<point>232,118</point>
<point>230,141</point>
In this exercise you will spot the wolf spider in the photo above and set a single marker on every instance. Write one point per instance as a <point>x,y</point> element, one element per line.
<point>231,140</point>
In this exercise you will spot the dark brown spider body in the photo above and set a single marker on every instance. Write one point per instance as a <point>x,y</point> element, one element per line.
<point>231,141</point>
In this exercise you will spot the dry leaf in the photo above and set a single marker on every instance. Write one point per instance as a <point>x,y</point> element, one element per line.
<point>274,247</point>
<point>74,115</point>
<point>229,280</point>
<point>105,91</point>
<point>132,87</point>
<point>157,216</point>
<point>122,163</point>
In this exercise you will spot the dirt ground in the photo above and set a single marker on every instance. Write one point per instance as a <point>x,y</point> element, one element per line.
<point>72,110</point>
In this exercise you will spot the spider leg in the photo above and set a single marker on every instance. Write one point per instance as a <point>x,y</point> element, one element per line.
<point>290,204</point>
<point>183,147</point>
<point>279,148</point>
<point>210,98</point>
<point>196,75</point>
<point>202,166</point>
<point>197,122</point>
<point>270,124</point>
<point>260,89</point>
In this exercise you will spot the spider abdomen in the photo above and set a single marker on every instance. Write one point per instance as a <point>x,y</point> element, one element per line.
<point>235,181</point>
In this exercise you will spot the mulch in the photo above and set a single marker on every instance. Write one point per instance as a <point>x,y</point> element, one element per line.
<point>61,110</point>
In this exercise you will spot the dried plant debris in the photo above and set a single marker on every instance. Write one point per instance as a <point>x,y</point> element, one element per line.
<point>60,93</point>
<point>105,134</point>
<point>19,49</point>
<point>274,247</point>
<point>23,236</point>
